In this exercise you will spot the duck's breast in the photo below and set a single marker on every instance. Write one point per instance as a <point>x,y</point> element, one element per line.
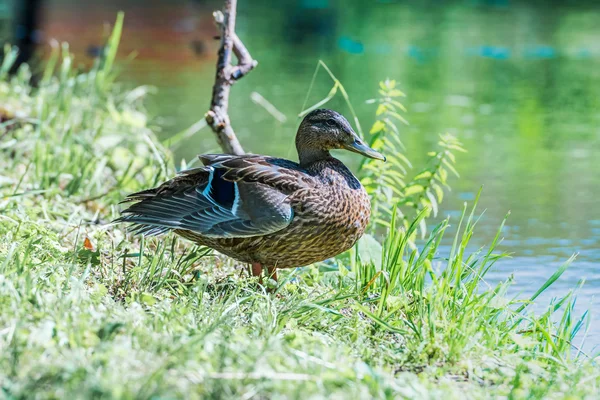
<point>328,220</point>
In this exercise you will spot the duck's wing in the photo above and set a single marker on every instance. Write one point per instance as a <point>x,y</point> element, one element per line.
<point>232,196</point>
<point>282,175</point>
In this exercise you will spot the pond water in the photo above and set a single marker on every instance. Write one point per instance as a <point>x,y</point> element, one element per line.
<point>518,84</point>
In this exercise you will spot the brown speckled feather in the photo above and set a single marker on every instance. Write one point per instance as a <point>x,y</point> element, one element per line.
<point>266,210</point>
<point>329,218</point>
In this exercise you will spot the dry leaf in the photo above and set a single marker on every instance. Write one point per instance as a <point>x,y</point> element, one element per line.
<point>87,244</point>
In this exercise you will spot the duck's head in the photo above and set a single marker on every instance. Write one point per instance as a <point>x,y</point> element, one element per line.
<point>323,130</point>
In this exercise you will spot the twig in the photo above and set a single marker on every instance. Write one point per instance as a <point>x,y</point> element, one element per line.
<point>257,98</point>
<point>217,116</point>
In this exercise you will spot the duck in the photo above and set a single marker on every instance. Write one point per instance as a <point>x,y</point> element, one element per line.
<point>269,212</point>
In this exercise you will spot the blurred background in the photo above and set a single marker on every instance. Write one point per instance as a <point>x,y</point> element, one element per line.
<point>517,82</point>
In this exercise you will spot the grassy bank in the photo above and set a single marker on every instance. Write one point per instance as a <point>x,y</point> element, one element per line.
<point>88,311</point>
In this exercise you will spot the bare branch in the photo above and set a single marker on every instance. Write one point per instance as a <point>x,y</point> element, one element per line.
<point>217,117</point>
<point>245,61</point>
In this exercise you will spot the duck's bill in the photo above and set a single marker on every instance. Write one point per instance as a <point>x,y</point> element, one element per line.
<point>361,148</point>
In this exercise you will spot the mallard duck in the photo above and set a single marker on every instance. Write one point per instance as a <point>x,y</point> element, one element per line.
<point>266,211</point>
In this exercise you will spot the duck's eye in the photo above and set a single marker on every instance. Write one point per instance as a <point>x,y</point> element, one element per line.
<point>330,122</point>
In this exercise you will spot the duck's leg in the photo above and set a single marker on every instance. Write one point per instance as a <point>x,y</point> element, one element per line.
<point>257,269</point>
<point>272,273</point>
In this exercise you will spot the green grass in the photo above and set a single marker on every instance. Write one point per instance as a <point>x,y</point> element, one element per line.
<point>88,311</point>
